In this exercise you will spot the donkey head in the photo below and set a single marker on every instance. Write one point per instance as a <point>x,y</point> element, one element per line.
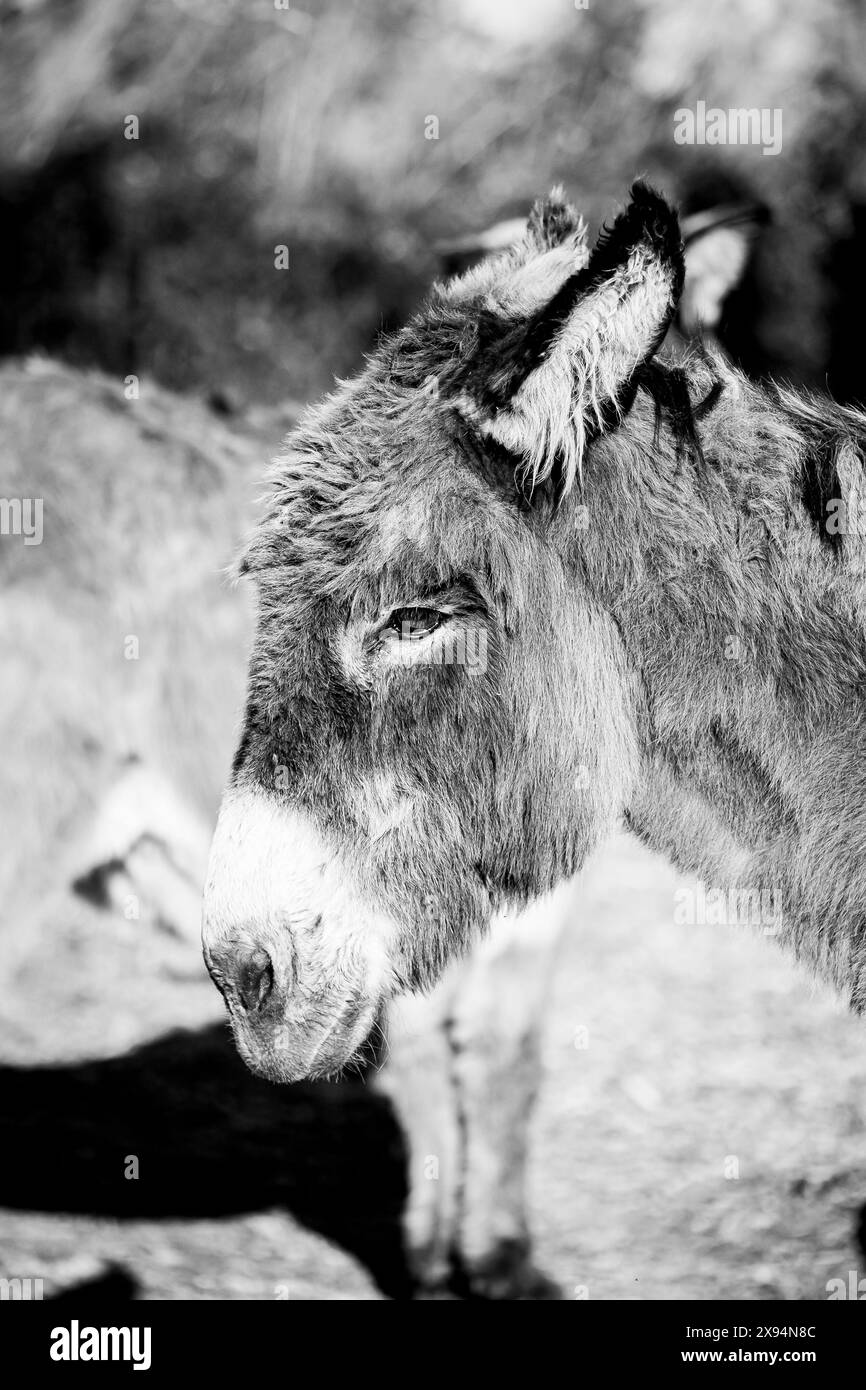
<point>440,719</point>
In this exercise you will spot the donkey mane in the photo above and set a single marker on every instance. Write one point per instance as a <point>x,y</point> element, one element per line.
<point>833,453</point>
<point>667,385</point>
<point>829,439</point>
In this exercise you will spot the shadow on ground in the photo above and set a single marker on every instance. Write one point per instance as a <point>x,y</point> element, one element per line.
<point>211,1141</point>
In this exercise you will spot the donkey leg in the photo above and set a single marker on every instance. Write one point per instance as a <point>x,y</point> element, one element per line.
<point>417,1077</point>
<point>496,1035</point>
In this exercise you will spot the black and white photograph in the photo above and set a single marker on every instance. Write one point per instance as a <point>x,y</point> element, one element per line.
<point>433,666</point>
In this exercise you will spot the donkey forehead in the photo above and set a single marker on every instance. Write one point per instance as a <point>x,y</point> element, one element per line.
<point>378,496</point>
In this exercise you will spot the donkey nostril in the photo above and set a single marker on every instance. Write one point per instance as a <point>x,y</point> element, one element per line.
<point>254,976</point>
<point>242,973</point>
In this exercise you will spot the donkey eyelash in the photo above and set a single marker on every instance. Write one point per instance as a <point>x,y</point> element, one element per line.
<point>410,623</point>
<point>415,622</point>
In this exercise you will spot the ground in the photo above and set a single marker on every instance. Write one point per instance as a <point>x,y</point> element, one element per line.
<point>700,1131</point>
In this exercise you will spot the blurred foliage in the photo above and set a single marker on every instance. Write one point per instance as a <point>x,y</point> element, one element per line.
<point>305,126</point>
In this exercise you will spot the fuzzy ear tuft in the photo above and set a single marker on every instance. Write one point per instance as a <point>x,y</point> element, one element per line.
<point>541,383</point>
<point>553,220</point>
<point>516,267</point>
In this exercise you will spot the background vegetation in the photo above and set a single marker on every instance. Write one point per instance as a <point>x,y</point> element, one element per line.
<point>305,126</point>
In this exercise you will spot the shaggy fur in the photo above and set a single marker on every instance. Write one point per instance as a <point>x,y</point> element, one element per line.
<point>674,639</point>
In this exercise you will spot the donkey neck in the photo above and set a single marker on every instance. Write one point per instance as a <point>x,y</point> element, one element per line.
<point>744,625</point>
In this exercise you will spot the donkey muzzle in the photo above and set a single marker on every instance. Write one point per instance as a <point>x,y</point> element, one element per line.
<point>302,964</point>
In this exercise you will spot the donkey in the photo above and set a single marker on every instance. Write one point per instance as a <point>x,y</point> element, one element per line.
<point>647,550</point>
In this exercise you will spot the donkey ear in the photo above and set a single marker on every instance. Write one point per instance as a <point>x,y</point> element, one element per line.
<point>541,383</point>
<point>515,267</point>
<point>552,222</point>
<point>718,245</point>
<point>555,221</point>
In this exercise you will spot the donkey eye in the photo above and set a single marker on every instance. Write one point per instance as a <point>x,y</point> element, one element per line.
<point>412,623</point>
